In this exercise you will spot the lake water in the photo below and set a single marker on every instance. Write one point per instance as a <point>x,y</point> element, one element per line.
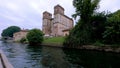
<point>25,56</point>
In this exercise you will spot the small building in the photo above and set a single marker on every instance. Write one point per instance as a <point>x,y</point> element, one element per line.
<point>19,35</point>
<point>66,32</point>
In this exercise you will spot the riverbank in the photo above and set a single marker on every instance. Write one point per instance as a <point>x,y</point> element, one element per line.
<point>52,44</point>
<point>106,48</point>
<point>54,41</point>
<point>58,42</point>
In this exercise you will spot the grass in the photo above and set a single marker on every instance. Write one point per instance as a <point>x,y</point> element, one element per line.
<point>98,43</point>
<point>54,40</point>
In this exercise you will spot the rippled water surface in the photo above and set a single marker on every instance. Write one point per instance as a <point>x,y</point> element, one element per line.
<point>25,56</point>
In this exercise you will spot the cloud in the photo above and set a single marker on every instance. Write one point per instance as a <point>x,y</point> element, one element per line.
<point>12,6</point>
<point>108,5</point>
<point>28,13</point>
<point>12,18</point>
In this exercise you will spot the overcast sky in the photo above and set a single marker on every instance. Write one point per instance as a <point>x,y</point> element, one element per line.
<point>27,14</point>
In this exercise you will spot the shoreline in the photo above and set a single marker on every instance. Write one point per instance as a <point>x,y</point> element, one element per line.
<point>106,48</point>
<point>53,45</point>
<point>101,48</point>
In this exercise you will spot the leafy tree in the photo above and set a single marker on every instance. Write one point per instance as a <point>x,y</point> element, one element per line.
<point>98,22</point>
<point>35,37</point>
<point>8,32</point>
<point>112,33</point>
<point>81,33</point>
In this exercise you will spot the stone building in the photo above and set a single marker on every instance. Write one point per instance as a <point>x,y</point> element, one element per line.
<point>19,35</point>
<point>56,26</point>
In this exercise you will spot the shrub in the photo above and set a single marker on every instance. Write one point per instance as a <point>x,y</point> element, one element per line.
<point>112,33</point>
<point>23,40</point>
<point>35,36</point>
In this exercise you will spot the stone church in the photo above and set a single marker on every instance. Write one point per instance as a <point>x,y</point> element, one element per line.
<point>57,26</point>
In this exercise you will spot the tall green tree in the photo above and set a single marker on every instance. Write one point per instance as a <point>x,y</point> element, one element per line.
<point>8,32</point>
<point>81,33</point>
<point>112,33</point>
<point>35,37</point>
<point>98,22</point>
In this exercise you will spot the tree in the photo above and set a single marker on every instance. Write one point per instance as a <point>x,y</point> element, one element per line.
<point>98,22</point>
<point>8,32</point>
<point>112,33</point>
<point>35,37</point>
<point>81,33</point>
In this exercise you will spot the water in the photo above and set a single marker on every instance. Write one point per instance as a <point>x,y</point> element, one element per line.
<point>24,56</point>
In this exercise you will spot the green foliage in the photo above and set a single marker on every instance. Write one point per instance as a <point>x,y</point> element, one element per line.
<point>112,33</point>
<point>23,40</point>
<point>98,25</point>
<point>81,33</point>
<point>8,32</point>
<point>85,8</point>
<point>35,36</point>
<point>98,43</point>
<point>93,26</point>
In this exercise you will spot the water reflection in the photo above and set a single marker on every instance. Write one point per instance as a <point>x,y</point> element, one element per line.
<point>24,56</point>
<point>92,59</point>
<point>53,58</point>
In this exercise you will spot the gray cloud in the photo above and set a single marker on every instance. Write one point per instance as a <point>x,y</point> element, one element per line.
<point>108,5</point>
<point>27,14</point>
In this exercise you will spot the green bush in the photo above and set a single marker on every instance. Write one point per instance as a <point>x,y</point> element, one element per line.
<point>35,37</point>
<point>112,33</point>
<point>23,40</point>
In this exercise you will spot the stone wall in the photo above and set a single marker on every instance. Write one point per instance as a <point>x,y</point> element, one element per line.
<point>55,26</point>
<point>19,35</point>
